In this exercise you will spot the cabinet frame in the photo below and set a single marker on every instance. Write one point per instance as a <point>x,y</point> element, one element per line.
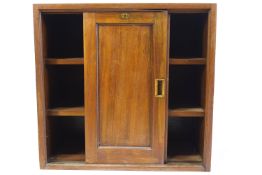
<point>41,79</point>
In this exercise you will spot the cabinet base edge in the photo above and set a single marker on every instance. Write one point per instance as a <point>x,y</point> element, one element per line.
<point>130,167</point>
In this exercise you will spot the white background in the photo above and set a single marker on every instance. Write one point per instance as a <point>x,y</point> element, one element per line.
<point>237,128</point>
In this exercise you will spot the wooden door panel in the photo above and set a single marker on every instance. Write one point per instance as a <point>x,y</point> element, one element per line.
<point>125,88</point>
<point>125,123</point>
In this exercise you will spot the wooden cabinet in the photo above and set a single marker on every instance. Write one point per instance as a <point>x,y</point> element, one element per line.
<point>125,86</point>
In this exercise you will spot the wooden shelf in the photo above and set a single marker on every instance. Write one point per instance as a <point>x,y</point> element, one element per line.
<point>185,158</point>
<point>186,112</point>
<point>68,157</point>
<point>187,61</point>
<point>64,61</point>
<point>66,111</point>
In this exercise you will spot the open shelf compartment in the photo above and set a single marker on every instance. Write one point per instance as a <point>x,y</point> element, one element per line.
<point>188,35</point>
<point>66,139</point>
<point>184,139</point>
<point>63,35</point>
<point>186,87</point>
<point>65,86</point>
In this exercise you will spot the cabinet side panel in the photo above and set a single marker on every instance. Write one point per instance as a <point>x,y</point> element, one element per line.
<point>210,72</point>
<point>40,88</point>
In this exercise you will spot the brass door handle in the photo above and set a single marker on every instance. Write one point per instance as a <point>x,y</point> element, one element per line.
<point>159,88</point>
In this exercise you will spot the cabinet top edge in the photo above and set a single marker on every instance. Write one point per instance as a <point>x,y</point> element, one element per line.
<point>128,6</point>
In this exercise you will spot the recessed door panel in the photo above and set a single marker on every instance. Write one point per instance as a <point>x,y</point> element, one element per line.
<point>124,54</point>
<point>124,85</point>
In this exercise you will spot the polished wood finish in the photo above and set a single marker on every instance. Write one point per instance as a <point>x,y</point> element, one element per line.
<point>127,53</point>
<point>186,112</point>
<point>64,61</point>
<point>187,61</point>
<point>143,14</point>
<point>66,111</point>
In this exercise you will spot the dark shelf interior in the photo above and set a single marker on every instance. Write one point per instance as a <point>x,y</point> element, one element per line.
<point>65,86</point>
<point>187,35</point>
<point>185,86</point>
<point>184,136</point>
<point>66,135</point>
<point>64,35</point>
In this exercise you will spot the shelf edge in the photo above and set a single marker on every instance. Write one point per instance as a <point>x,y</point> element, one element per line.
<point>70,111</point>
<point>187,61</point>
<point>64,61</point>
<point>186,112</point>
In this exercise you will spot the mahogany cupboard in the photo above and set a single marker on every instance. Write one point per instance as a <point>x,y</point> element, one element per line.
<point>125,86</point>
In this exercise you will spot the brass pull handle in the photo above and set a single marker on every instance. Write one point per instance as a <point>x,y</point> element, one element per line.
<point>159,88</point>
<point>124,15</point>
